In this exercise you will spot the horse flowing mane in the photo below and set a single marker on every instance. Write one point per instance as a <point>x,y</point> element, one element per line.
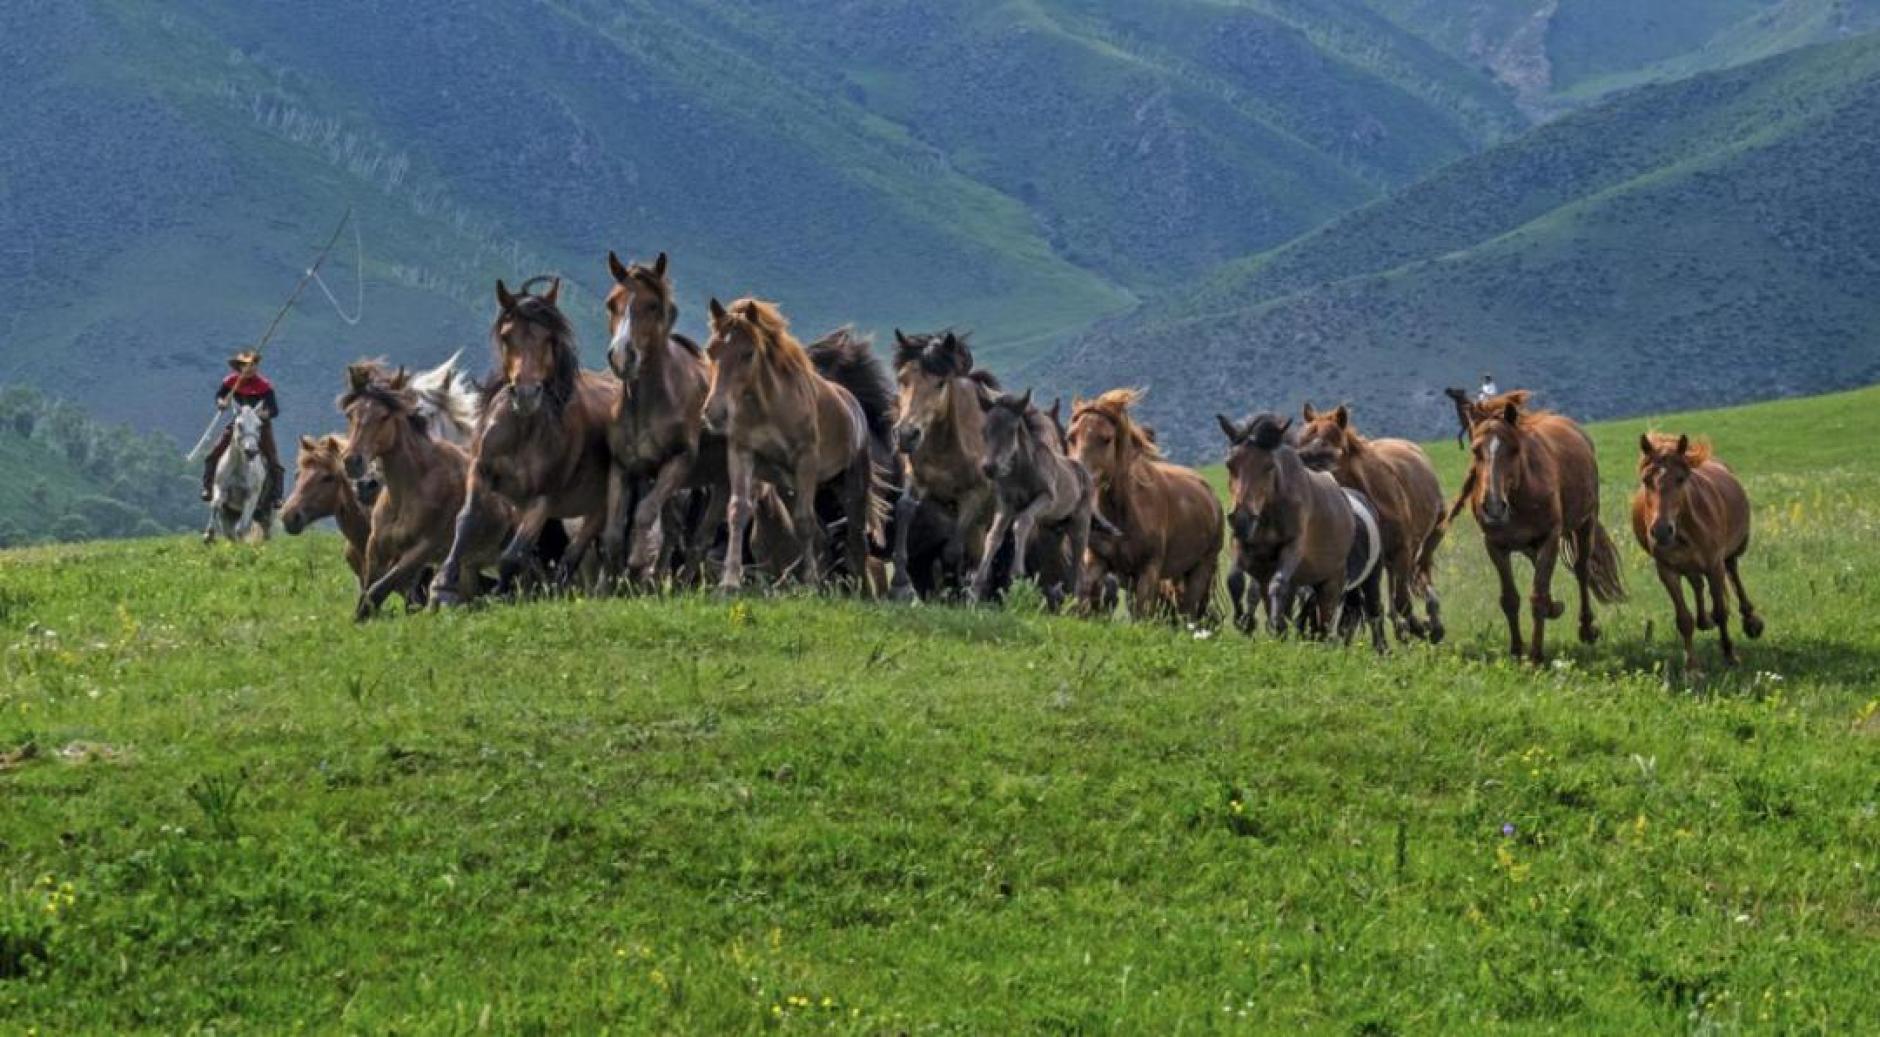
<point>1115,406</point>
<point>770,330</point>
<point>389,392</point>
<point>848,360</point>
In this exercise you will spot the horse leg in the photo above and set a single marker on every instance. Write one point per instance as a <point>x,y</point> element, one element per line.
<point>1752,623</point>
<point>401,572</point>
<point>1586,540</point>
<point>615,535</point>
<point>1280,592</point>
<point>1329,607</point>
<point>1198,587</point>
<point>1541,599</point>
<point>648,518</point>
<point>1510,598</point>
<point>1237,585</point>
<point>1002,522</point>
<point>1697,594</point>
<point>905,508</point>
<point>738,518</point>
<point>1079,543</point>
<point>1425,574</point>
<point>1720,612</point>
<point>1374,613</point>
<point>470,528</point>
<point>1096,587</point>
<point>858,492</point>
<point>1674,586</point>
<point>520,550</point>
<point>958,553</point>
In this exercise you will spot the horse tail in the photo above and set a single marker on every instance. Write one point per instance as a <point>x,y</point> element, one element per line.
<point>1603,572</point>
<point>848,360</point>
<point>1423,572</point>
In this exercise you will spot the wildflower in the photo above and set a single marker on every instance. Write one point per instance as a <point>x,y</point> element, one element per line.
<point>1638,826</point>
<point>1236,806</point>
<point>1507,829</point>
<point>658,978</point>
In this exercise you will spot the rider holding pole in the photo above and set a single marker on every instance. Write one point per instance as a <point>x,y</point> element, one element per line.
<point>246,387</point>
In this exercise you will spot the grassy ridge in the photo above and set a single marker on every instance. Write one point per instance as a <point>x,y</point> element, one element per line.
<point>704,816</point>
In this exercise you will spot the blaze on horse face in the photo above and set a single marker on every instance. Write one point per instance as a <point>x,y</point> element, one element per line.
<point>1664,472</point>
<point>1496,469</point>
<point>1006,425</point>
<point>640,311</point>
<point>926,367</point>
<point>526,347</point>
<point>1252,473</point>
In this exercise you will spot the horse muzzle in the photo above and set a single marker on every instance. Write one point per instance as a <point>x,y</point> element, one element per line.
<point>1244,523</point>
<point>907,438</point>
<point>367,488</point>
<point>355,466</point>
<point>1663,533</point>
<point>1495,512</point>
<point>291,522</point>
<point>525,400</point>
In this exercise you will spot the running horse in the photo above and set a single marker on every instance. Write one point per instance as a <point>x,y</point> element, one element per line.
<point>1692,516</point>
<point>1167,518</point>
<point>942,433</point>
<point>1533,486</point>
<point>541,442</point>
<point>788,425</point>
<point>322,490</point>
<point>657,422</point>
<point>1398,479</point>
<point>1035,486</point>
<point>240,483</point>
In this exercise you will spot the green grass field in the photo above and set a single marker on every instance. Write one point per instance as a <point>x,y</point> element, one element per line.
<point>226,808</point>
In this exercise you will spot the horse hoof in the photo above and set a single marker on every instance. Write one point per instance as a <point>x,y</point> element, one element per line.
<point>901,593</point>
<point>1556,609</point>
<point>444,599</point>
<point>1436,633</point>
<point>1703,621</point>
<point>1753,625</point>
<point>1589,634</point>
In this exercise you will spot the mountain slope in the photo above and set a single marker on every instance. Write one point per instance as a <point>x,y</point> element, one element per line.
<point>1694,243</point>
<point>66,477</point>
<point>1021,168</point>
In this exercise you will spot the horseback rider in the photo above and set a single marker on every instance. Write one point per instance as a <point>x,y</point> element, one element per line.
<point>246,387</point>
<point>1488,390</point>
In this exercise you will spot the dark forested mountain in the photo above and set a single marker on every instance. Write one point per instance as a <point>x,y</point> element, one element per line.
<point>1707,240</point>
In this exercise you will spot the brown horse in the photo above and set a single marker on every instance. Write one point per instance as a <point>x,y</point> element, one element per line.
<point>1691,515</point>
<point>786,424</point>
<point>322,490</point>
<point>541,443</point>
<point>1294,529</point>
<point>1035,484</point>
<point>1401,483</point>
<point>657,423</point>
<point>1534,488</point>
<point>423,492</point>
<point>942,433</point>
<point>1168,519</point>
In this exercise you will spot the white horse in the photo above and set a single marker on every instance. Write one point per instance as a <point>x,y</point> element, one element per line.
<point>240,479</point>
<point>447,400</point>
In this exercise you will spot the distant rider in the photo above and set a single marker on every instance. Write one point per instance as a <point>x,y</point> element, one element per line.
<point>1488,390</point>
<point>247,387</point>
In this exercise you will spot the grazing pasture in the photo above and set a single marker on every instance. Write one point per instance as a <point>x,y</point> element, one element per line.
<point>228,807</point>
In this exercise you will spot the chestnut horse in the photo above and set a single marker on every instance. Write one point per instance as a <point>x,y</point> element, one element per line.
<point>1691,515</point>
<point>1534,488</point>
<point>423,494</point>
<point>1401,483</point>
<point>1167,517</point>
<point>942,432</point>
<point>322,490</point>
<point>1294,529</point>
<point>541,443</point>
<point>1035,484</point>
<point>787,424</point>
<point>658,419</point>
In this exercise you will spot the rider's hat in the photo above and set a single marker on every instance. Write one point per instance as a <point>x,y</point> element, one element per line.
<point>245,359</point>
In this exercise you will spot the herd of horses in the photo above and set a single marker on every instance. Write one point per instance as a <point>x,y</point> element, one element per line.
<point>757,457</point>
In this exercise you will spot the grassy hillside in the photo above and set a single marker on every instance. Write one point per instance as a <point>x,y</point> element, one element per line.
<point>1018,168</point>
<point>1701,242</point>
<point>64,476</point>
<point>229,808</point>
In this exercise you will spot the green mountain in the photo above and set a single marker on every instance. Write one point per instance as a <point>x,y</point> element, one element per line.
<point>1706,241</point>
<point>64,476</point>
<point>1022,168</point>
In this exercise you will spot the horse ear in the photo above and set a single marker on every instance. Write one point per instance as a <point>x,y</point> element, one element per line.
<point>1023,401</point>
<point>951,343</point>
<point>718,309</point>
<point>504,296</point>
<point>307,444</point>
<point>659,265</point>
<point>358,376</point>
<point>401,379</point>
<point>616,267</point>
<point>1645,444</point>
<point>1511,414</point>
<point>1284,425</point>
<point>554,291</point>
<point>1309,412</point>
<point>900,339</point>
<point>1229,429</point>
<point>1057,403</point>
<point>1684,444</point>
<point>1343,416</point>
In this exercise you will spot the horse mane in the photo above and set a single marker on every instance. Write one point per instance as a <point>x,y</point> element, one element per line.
<point>1697,451</point>
<point>956,362</point>
<point>688,343</point>
<point>325,451</point>
<point>400,401</point>
<point>848,359</point>
<point>1115,405</point>
<point>1270,431</point>
<point>565,369</point>
<point>770,330</point>
<point>661,287</point>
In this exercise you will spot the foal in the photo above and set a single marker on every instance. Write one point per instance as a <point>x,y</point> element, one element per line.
<point>322,490</point>
<point>1035,483</point>
<point>1692,516</point>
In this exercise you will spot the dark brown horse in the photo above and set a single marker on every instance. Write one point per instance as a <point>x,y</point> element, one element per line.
<point>1397,477</point>
<point>1294,529</point>
<point>942,433</point>
<point>657,423</point>
<point>541,443</point>
<point>1533,485</point>
<point>1692,516</point>
<point>322,490</point>
<point>422,495</point>
<point>1167,517</point>
<point>1035,485</point>
<point>787,424</point>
